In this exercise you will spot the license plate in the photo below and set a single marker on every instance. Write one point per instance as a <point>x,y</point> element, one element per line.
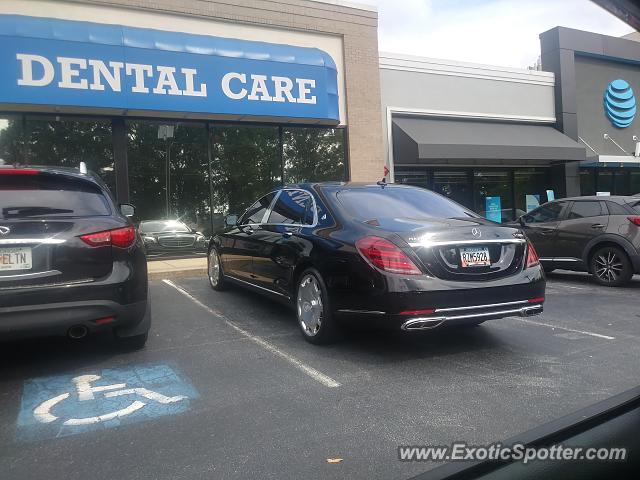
<point>475,257</point>
<point>15,259</point>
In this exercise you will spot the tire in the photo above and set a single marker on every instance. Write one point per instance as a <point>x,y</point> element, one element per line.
<point>215,275</point>
<point>137,342</point>
<point>611,267</point>
<point>313,309</point>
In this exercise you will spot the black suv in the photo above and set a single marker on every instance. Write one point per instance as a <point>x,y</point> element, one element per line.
<point>71,263</point>
<point>600,235</point>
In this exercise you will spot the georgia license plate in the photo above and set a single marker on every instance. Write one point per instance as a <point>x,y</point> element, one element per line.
<point>15,259</point>
<point>475,257</point>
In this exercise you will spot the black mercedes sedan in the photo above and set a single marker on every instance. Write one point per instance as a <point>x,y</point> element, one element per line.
<point>171,237</point>
<point>71,262</point>
<point>377,254</point>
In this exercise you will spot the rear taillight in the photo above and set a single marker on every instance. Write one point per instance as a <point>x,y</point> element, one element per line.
<point>386,256</point>
<point>635,219</point>
<point>532,256</point>
<point>18,171</point>
<point>119,237</point>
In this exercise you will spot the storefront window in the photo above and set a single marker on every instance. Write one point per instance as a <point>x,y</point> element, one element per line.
<point>67,141</point>
<point>454,185</point>
<point>530,185</point>
<point>605,181</point>
<point>245,165</point>
<point>168,180</point>
<point>587,181</point>
<point>10,139</point>
<point>493,194</point>
<point>313,154</point>
<point>416,178</point>
<point>634,182</point>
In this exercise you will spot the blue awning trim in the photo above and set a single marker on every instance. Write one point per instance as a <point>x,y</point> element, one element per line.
<point>119,35</point>
<point>53,38</point>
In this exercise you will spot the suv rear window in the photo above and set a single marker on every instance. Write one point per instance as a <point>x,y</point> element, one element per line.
<point>392,202</point>
<point>38,196</point>
<point>635,206</point>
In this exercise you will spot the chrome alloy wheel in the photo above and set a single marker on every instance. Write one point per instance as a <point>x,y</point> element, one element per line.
<point>214,268</point>
<point>309,305</point>
<point>608,266</point>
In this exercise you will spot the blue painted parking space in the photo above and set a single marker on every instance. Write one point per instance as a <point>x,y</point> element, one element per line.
<point>70,404</point>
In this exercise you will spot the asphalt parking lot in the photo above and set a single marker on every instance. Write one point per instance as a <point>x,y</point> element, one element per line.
<point>258,401</point>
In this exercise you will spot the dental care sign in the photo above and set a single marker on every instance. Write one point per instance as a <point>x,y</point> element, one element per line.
<point>65,63</point>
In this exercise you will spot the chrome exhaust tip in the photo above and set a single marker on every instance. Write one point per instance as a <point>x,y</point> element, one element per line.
<point>530,311</point>
<point>422,324</point>
<point>77,332</point>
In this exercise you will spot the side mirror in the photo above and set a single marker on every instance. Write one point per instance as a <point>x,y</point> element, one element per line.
<point>127,209</point>
<point>521,221</point>
<point>231,220</point>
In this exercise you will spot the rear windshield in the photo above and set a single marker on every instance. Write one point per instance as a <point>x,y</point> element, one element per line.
<point>38,196</point>
<point>394,202</point>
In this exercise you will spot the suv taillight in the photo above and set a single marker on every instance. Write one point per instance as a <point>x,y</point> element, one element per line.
<point>119,237</point>
<point>386,256</point>
<point>635,219</point>
<point>532,256</point>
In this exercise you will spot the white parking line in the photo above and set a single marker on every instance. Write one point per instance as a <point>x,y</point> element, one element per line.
<point>598,335</point>
<point>312,372</point>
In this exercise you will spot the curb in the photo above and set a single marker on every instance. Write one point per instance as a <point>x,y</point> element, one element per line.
<point>183,273</point>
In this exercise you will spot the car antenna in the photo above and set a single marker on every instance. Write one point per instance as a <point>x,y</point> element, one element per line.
<point>382,183</point>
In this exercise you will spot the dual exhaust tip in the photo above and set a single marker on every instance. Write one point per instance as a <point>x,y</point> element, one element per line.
<point>429,323</point>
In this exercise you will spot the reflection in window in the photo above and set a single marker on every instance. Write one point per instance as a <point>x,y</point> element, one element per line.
<point>10,139</point>
<point>255,213</point>
<point>313,154</point>
<point>168,172</point>
<point>67,141</point>
<point>585,209</point>
<point>246,164</point>
<point>291,208</point>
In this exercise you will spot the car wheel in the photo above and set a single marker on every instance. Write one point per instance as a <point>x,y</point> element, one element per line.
<point>135,342</point>
<point>214,271</point>
<point>610,266</point>
<point>313,309</point>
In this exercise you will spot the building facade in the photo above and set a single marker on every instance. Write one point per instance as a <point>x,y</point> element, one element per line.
<point>482,135</point>
<point>597,82</point>
<point>190,110</point>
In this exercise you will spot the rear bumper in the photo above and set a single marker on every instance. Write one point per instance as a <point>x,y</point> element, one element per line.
<point>425,302</point>
<point>55,319</point>
<point>52,309</point>
<point>473,314</point>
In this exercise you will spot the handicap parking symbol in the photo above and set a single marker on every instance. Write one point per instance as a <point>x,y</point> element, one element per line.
<point>70,404</point>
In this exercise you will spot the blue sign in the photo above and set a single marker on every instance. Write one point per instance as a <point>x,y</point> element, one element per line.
<point>71,404</point>
<point>493,209</point>
<point>532,202</point>
<point>80,64</point>
<point>551,196</point>
<point>620,103</point>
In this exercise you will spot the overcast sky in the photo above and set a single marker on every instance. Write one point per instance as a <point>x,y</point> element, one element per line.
<point>495,32</point>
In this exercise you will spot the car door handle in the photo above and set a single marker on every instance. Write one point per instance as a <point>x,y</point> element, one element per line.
<point>597,225</point>
<point>287,234</point>
<point>248,230</point>
<point>547,231</point>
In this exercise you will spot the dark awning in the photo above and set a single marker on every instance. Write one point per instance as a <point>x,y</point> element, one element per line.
<point>416,139</point>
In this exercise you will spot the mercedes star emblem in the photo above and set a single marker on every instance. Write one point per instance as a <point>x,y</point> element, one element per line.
<point>476,233</point>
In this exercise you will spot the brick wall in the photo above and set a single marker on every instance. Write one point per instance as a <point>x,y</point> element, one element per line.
<point>358,29</point>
